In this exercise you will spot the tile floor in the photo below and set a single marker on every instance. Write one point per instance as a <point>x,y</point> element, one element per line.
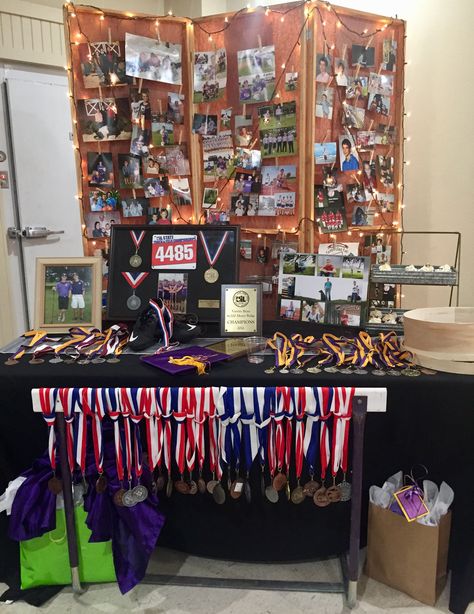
<point>149,599</point>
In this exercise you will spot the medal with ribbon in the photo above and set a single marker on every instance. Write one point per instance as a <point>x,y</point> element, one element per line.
<point>263,401</point>
<point>125,399</point>
<point>211,275</point>
<point>137,238</point>
<point>163,400</point>
<point>68,400</point>
<point>114,413</point>
<point>48,398</point>
<point>298,494</point>
<point>325,401</point>
<point>139,492</point>
<point>179,401</point>
<point>340,446</point>
<point>311,439</point>
<point>37,336</point>
<point>134,280</point>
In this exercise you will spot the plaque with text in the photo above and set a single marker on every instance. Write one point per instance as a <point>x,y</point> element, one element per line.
<point>241,310</point>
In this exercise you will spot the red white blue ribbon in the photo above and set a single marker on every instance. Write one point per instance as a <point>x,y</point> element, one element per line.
<point>213,259</point>
<point>134,279</point>
<point>340,434</point>
<point>137,238</point>
<point>166,320</point>
<point>326,405</point>
<point>178,406</point>
<point>48,407</point>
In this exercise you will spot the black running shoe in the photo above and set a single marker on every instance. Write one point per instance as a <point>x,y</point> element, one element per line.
<point>147,330</point>
<point>184,332</point>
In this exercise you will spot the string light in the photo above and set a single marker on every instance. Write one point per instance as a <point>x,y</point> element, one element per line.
<point>170,13</point>
<point>102,17</point>
<point>267,12</point>
<point>282,18</point>
<point>226,19</point>
<point>209,38</point>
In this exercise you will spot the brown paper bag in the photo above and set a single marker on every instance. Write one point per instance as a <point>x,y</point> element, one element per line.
<point>406,555</point>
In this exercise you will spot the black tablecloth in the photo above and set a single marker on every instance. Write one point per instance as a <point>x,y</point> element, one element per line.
<point>430,420</point>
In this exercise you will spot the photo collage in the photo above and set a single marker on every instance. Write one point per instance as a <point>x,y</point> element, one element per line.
<point>323,288</point>
<point>354,162</point>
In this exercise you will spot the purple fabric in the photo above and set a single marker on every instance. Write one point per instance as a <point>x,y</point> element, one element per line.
<point>134,531</point>
<point>161,360</point>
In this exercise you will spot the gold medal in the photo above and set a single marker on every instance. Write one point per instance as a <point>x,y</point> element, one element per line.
<point>211,275</point>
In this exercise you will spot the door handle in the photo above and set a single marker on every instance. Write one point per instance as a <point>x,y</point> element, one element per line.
<point>31,232</point>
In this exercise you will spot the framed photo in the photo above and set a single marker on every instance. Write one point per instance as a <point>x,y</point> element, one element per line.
<point>68,293</point>
<point>241,310</point>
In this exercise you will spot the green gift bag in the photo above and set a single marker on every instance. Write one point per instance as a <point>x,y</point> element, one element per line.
<point>45,561</point>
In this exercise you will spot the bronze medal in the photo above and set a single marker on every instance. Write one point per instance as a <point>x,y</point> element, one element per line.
<point>182,487</point>
<point>333,494</point>
<point>320,498</point>
<point>101,484</point>
<point>211,275</point>
<point>310,488</point>
<point>271,494</point>
<point>211,485</point>
<point>279,481</point>
<point>237,488</point>
<point>202,486</point>
<point>55,485</point>
<point>426,371</point>
<point>218,494</point>
<point>169,487</point>
<point>118,497</point>
<point>36,361</point>
<point>193,487</point>
<point>297,495</point>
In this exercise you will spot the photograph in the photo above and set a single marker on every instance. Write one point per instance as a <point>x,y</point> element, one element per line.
<point>385,170</point>
<point>205,124</point>
<point>139,145</point>
<point>389,54</point>
<point>380,84</point>
<point>247,182</point>
<point>339,248</point>
<point>299,264</point>
<point>101,200</point>
<point>355,193</point>
<point>368,175</point>
<point>365,140</point>
<point>209,198</point>
<point>106,119</point>
<point>355,267</point>
<point>149,58</point>
<point>284,203</point>
<point>363,56</point>
<point>129,171</point>
<point>357,87</point>
<point>98,225</point>
<point>173,291</point>
<point>386,202</point>
<point>362,216</point>
<point>385,134</point>
<point>243,134</point>
<point>68,293</point>
<point>246,249</point>
<point>325,153</point>
<point>154,165</point>
<point>278,142</point>
<point>217,163</point>
<point>281,247</point>
<point>243,204</point>
<point>180,191</point>
<point>323,68</point>
<point>103,64</point>
<point>343,314</point>
<point>329,266</point>
<point>210,75</point>
<point>312,311</point>
<point>134,207</point>
<point>262,256</point>
<point>177,162</point>
<point>332,219</point>
<point>290,309</point>
<point>225,120</point>
<point>156,186</point>
<point>267,206</point>
<point>216,217</point>
<point>379,104</point>
<point>100,170</point>
<point>162,133</point>
<point>175,108</point>
<point>291,81</point>
<point>219,141</point>
<point>353,116</point>
<point>247,159</point>
<point>157,216</point>
<point>341,72</point>
<point>348,156</point>
<point>256,70</point>
<point>324,102</point>
<point>140,105</point>
<point>287,289</point>
<point>277,179</point>
<point>377,248</point>
<point>280,115</point>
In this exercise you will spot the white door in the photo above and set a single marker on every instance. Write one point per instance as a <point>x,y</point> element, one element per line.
<point>38,113</point>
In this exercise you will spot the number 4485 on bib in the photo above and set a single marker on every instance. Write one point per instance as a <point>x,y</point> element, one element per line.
<point>173,251</point>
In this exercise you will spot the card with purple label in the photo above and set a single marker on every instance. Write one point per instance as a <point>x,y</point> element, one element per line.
<point>410,501</point>
<point>202,354</point>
